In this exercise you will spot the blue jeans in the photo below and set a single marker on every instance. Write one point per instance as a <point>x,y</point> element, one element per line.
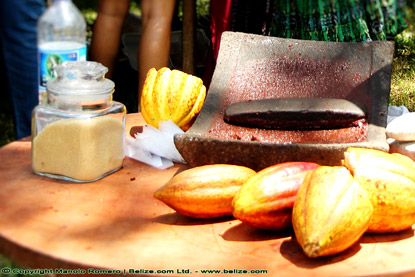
<point>18,43</point>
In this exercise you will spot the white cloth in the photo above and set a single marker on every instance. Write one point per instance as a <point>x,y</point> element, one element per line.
<point>401,124</point>
<point>154,146</point>
<point>395,111</point>
<point>401,131</point>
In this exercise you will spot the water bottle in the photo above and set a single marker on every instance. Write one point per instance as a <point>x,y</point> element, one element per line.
<point>61,37</point>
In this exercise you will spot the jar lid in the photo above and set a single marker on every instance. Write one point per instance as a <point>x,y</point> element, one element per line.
<point>80,79</point>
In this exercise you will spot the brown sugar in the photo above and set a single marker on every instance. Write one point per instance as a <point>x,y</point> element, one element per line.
<point>81,149</point>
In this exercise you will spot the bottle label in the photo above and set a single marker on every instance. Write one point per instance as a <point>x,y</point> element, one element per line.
<point>49,58</point>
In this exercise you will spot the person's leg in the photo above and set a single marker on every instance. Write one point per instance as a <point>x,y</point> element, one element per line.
<point>18,34</point>
<point>107,31</point>
<point>154,46</point>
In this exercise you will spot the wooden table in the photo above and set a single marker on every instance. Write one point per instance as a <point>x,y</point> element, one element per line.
<point>115,223</point>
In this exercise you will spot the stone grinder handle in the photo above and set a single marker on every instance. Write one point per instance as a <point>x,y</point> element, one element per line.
<point>296,113</point>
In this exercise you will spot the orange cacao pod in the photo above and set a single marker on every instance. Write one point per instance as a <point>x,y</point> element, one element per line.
<point>266,200</point>
<point>205,191</point>
<point>331,211</point>
<point>389,180</point>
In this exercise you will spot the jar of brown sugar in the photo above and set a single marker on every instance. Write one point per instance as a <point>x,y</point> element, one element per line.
<point>79,135</point>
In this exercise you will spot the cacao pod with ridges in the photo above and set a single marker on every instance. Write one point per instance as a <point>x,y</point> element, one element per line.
<point>204,191</point>
<point>266,200</point>
<point>355,157</point>
<point>389,180</point>
<point>331,211</point>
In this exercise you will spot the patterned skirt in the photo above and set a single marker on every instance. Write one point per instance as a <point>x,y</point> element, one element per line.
<point>327,20</point>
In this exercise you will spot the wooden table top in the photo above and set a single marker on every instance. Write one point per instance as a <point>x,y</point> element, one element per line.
<point>116,223</point>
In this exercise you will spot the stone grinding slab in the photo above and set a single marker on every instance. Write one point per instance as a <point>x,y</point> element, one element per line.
<point>254,67</point>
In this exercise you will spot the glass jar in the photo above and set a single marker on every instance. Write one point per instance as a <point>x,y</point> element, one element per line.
<point>79,134</point>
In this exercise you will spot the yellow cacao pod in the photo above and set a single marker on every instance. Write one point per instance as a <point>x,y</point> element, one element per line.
<point>171,95</point>
<point>331,211</point>
<point>389,180</point>
<point>204,191</point>
<point>355,157</point>
<point>266,200</point>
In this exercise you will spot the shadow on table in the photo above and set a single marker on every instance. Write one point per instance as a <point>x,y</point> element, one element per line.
<point>291,250</point>
<point>376,238</point>
<point>239,232</point>
<point>181,220</point>
<point>243,232</point>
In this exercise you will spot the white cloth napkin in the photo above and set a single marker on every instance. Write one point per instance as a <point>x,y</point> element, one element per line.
<point>154,146</point>
<point>400,131</point>
<point>400,124</point>
<point>395,111</point>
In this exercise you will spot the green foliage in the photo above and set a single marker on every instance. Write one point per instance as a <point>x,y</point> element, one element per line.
<point>4,262</point>
<point>6,123</point>
<point>202,7</point>
<point>403,72</point>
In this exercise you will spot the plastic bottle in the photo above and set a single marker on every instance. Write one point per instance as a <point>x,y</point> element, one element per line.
<point>61,37</point>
